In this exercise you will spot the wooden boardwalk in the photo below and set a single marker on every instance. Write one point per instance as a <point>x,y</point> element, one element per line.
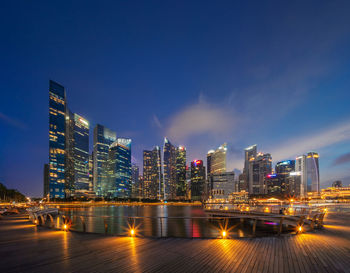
<point>27,248</point>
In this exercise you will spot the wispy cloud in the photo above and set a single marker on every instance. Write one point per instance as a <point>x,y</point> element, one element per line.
<point>12,121</point>
<point>156,122</point>
<point>345,158</point>
<point>315,141</point>
<point>202,118</point>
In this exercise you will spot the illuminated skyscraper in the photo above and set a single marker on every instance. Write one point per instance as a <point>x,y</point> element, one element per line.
<point>197,180</point>
<point>103,138</point>
<point>119,168</point>
<point>313,173</point>
<point>283,169</point>
<point>169,170</point>
<point>57,153</point>
<point>46,180</point>
<point>259,168</point>
<point>134,181</point>
<point>81,153</point>
<point>152,177</point>
<point>181,172</point>
<point>300,167</point>
<point>249,154</point>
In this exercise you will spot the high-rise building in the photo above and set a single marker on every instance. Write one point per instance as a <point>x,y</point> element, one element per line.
<point>69,168</point>
<point>300,166</point>
<point>283,169</point>
<point>57,153</point>
<point>91,172</point>
<point>81,153</point>
<point>46,179</point>
<point>294,184</point>
<point>152,178</point>
<point>181,172</point>
<point>119,169</point>
<point>308,167</point>
<point>221,185</point>
<point>134,181</point>
<point>197,180</point>
<point>249,154</point>
<point>169,170</point>
<point>103,138</point>
<point>216,160</point>
<point>259,168</point>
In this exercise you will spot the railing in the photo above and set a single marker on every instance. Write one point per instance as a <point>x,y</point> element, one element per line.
<point>180,227</point>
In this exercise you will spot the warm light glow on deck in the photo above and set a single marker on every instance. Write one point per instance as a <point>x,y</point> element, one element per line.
<point>132,232</point>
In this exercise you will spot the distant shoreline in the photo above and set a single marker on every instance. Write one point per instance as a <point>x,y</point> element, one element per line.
<point>104,204</point>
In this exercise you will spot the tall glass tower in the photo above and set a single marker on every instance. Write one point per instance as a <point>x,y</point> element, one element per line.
<point>313,172</point>
<point>103,138</point>
<point>81,153</point>
<point>169,170</point>
<point>57,154</point>
<point>197,180</point>
<point>152,182</point>
<point>181,172</point>
<point>119,168</point>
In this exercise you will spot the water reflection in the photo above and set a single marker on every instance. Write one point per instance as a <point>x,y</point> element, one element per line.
<point>160,221</point>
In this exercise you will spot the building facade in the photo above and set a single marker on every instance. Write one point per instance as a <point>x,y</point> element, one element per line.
<point>57,145</point>
<point>180,172</point>
<point>259,168</point>
<point>169,170</point>
<point>222,185</point>
<point>119,169</point>
<point>103,138</point>
<point>313,172</point>
<point>152,177</point>
<point>135,187</point>
<point>249,154</point>
<point>216,160</point>
<point>197,180</point>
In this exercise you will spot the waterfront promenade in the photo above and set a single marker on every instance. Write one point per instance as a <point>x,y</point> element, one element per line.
<point>25,247</point>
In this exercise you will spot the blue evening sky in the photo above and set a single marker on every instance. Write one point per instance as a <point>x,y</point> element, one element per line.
<point>272,73</point>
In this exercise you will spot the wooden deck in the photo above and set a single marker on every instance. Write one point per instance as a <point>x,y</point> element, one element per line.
<point>27,248</point>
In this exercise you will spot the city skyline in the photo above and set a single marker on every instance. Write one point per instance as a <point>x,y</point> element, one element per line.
<point>201,86</point>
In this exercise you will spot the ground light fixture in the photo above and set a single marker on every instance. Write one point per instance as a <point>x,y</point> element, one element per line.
<point>300,229</point>
<point>223,234</point>
<point>65,227</point>
<point>132,232</point>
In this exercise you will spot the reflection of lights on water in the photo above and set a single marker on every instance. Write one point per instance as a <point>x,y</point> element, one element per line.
<point>271,223</point>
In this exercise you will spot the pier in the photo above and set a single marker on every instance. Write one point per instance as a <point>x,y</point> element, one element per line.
<point>25,247</point>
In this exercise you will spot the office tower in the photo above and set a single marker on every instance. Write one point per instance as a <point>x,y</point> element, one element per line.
<point>337,184</point>
<point>81,153</point>
<point>273,184</point>
<point>209,161</point>
<point>103,138</point>
<point>259,168</point>
<point>169,170</point>
<point>283,169</point>
<point>91,172</point>
<point>241,183</point>
<point>249,154</point>
<point>300,166</point>
<point>46,180</point>
<point>197,180</point>
<point>313,173</point>
<point>134,181</point>
<point>70,168</point>
<point>119,169</point>
<point>218,160</point>
<point>152,178</point>
<point>294,183</point>
<point>57,117</point>
<point>180,172</point>
<point>221,185</point>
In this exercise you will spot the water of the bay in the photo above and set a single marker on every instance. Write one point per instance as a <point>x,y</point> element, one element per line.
<point>160,221</point>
